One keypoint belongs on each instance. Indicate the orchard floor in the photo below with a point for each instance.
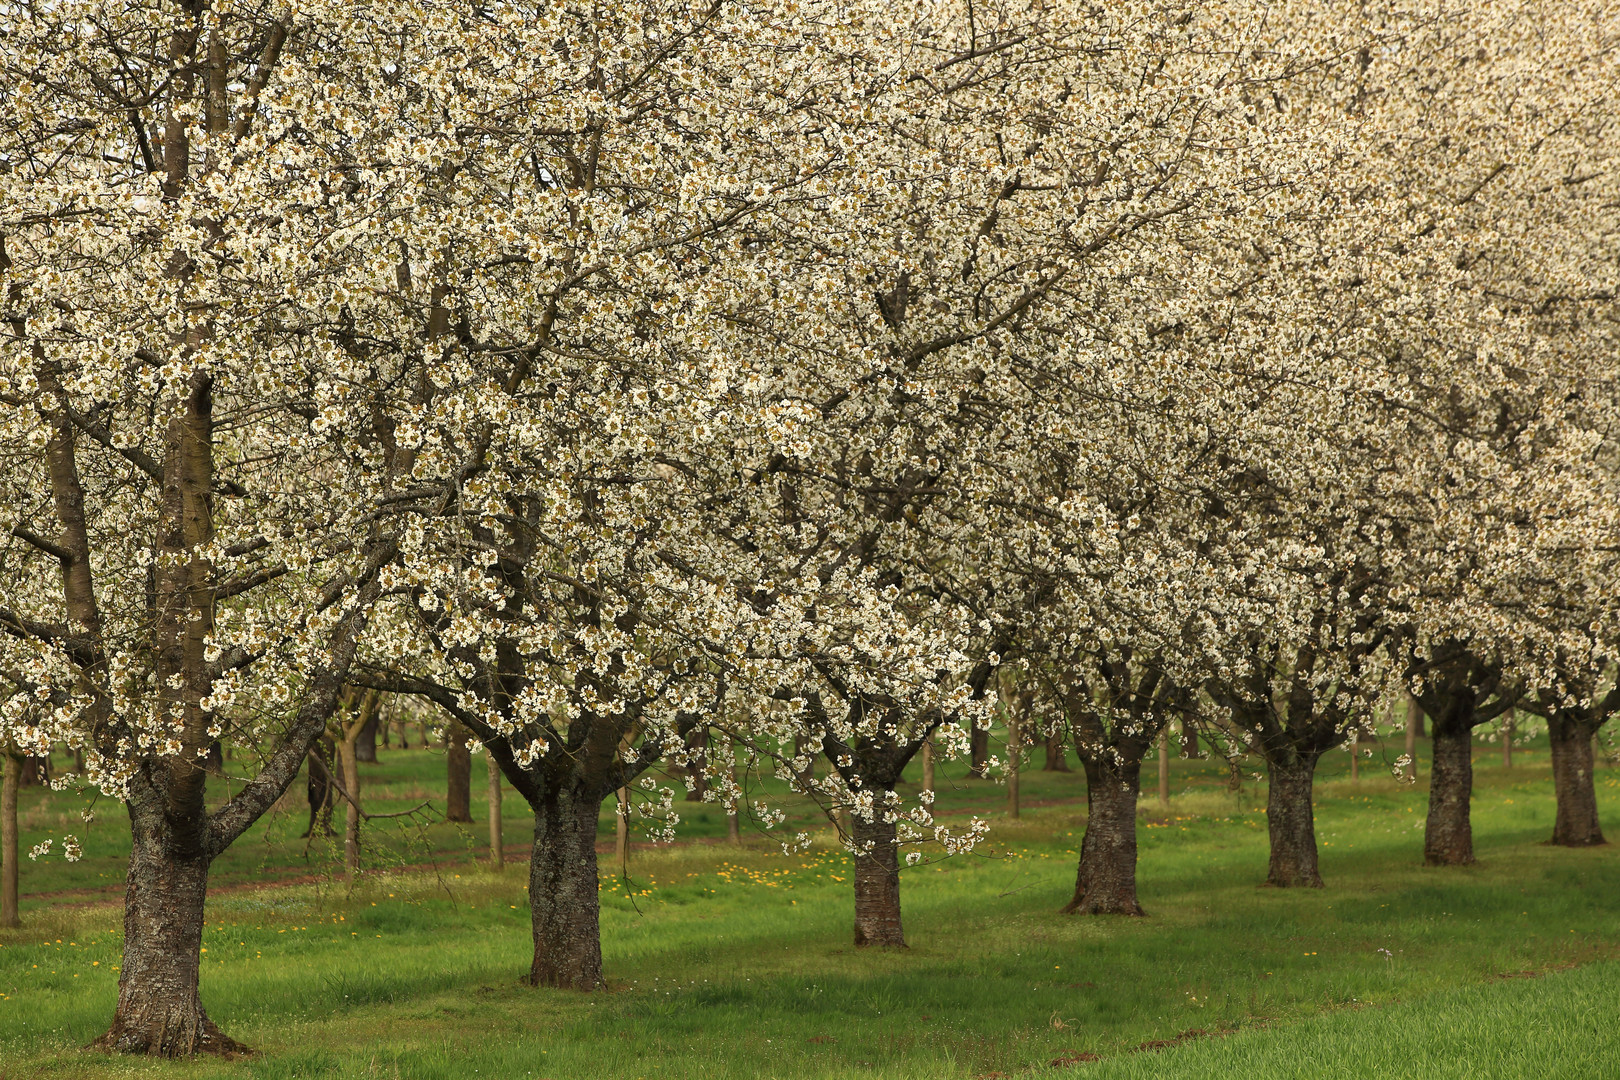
(736, 962)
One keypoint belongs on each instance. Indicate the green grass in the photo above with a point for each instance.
(736, 962)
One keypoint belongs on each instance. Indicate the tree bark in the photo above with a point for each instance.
(1577, 821)
(563, 893)
(9, 916)
(1106, 881)
(159, 1007)
(1292, 824)
(877, 883)
(1448, 838)
(458, 779)
(928, 765)
(1189, 740)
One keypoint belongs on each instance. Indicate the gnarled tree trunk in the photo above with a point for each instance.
(563, 894)
(1577, 822)
(1448, 837)
(1292, 824)
(877, 883)
(1106, 881)
(159, 1005)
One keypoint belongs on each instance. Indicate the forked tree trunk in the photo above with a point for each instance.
(877, 883)
(1292, 824)
(1448, 836)
(1577, 822)
(1106, 881)
(159, 1006)
(563, 894)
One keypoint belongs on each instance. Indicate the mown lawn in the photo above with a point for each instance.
(728, 962)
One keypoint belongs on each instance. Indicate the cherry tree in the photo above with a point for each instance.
(228, 235)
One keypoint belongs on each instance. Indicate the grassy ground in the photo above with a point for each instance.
(727, 962)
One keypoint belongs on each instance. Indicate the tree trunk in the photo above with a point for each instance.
(458, 783)
(621, 834)
(978, 751)
(697, 775)
(351, 808)
(497, 856)
(806, 747)
(1164, 768)
(1448, 838)
(563, 894)
(12, 779)
(319, 788)
(365, 744)
(1507, 740)
(1577, 822)
(1015, 754)
(1057, 759)
(928, 765)
(159, 1007)
(1292, 824)
(35, 771)
(1355, 755)
(1106, 882)
(877, 883)
(1414, 720)
(1189, 740)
